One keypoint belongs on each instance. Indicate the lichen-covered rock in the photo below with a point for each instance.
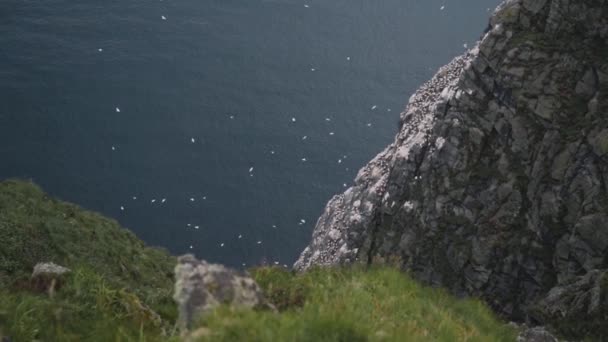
(47, 277)
(495, 185)
(200, 287)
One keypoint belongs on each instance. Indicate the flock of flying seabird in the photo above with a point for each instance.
(251, 169)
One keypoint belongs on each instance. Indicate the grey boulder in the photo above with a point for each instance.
(201, 287)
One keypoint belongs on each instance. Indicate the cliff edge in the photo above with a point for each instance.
(69, 274)
(495, 185)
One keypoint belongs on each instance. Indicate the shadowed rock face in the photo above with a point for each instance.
(495, 184)
(200, 287)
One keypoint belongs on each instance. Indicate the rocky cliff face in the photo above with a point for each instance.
(496, 184)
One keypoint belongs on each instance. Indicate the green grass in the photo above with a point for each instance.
(355, 305)
(120, 290)
(321, 305)
(104, 256)
(36, 228)
(86, 308)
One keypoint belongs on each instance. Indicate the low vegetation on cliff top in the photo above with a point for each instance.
(115, 278)
(120, 290)
(355, 304)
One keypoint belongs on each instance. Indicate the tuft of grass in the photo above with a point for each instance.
(354, 304)
(86, 308)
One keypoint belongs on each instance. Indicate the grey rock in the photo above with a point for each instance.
(582, 299)
(48, 277)
(49, 269)
(495, 182)
(536, 334)
(546, 107)
(599, 142)
(200, 287)
(592, 229)
(506, 13)
(587, 86)
(534, 6)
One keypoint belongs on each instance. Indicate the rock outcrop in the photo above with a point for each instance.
(49, 269)
(577, 307)
(48, 277)
(200, 287)
(496, 183)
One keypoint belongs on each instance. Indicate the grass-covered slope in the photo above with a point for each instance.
(85, 308)
(120, 290)
(35, 228)
(355, 305)
(114, 272)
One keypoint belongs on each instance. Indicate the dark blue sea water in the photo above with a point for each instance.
(230, 74)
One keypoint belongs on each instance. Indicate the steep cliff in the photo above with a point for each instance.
(495, 184)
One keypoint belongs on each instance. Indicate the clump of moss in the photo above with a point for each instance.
(355, 304)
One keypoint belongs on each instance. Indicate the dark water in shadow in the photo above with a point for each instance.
(231, 74)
